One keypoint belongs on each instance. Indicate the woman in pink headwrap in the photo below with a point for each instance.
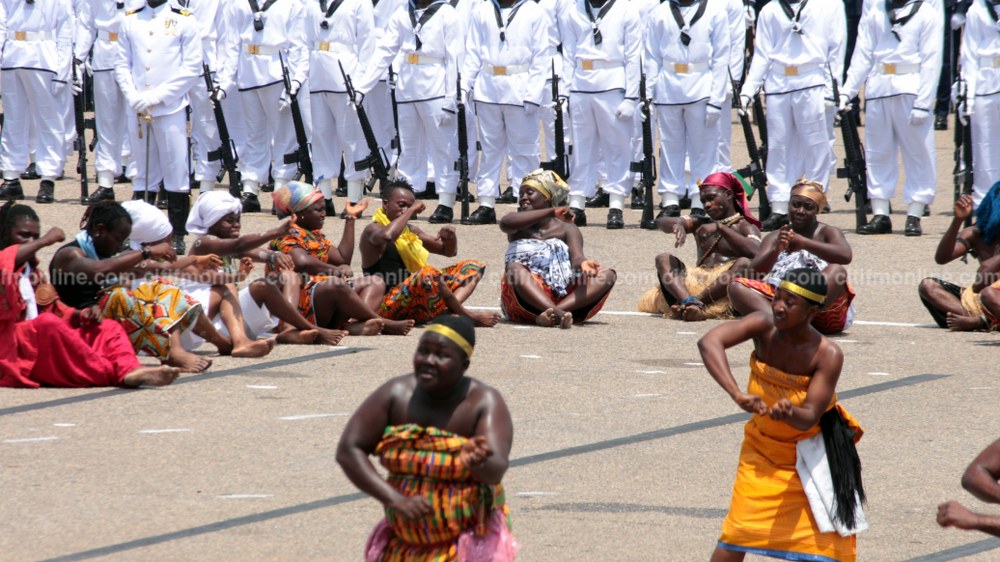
(728, 238)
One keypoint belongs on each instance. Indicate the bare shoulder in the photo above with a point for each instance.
(483, 394)
(829, 233)
(829, 352)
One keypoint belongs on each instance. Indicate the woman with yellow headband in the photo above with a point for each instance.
(798, 489)
(803, 242)
(445, 440)
(547, 279)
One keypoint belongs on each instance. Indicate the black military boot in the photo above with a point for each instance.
(11, 190)
(178, 207)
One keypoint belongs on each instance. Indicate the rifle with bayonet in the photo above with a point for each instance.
(754, 171)
(560, 160)
(376, 160)
(302, 155)
(462, 165)
(764, 205)
(646, 168)
(394, 144)
(227, 148)
(79, 107)
(963, 171)
(855, 169)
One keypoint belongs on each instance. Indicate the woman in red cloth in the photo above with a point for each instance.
(49, 336)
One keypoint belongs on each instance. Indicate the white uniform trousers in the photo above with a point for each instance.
(599, 137)
(725, 131)
(831, 119)
(548, 115)
(111, 112)
(887, 133)
(378, 104)
(506, 130)
(233, 106)
(340, 134)
(166, 140)
(68, 110)
(28, 101)
(305, 106)
(270, 135)
(683, 135)
(985, 145)
(204, 133)
(800, 147)
(425, 139)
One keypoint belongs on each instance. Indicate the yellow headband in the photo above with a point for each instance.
(802, 292)
(813, 190)
(537, 186)
(454, 336)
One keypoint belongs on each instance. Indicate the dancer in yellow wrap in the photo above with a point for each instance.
(397, 252)
(444, 439)
(798, 488)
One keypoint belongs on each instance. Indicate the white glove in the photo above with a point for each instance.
(218, 94)
(957, 21)
(750, 16)
(712, 115)
(295, 88)
(625, 110)
(530, 108)
(284, 102)
(919, 116)
(745, 103)
(845, 102)
(966, 108)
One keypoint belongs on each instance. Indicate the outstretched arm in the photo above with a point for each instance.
(26, 252)
(227, 247)
(713, 346)
(496, 427)
(980, 479)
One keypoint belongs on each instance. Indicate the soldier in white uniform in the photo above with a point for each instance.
(736, 13)
(981, 71)
(428, 36)
(687, 61)
(97, 32)
(37, 57)
(601, 48)
(505, 66)
(159, 58)
(796, 42)
(378, 102)
(339, 32)
(898, 59)
(547, 112)
(258, 35)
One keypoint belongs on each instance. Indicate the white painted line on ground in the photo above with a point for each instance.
(31, 439)
(981, 388)
(64, 424)
(652, 372)
(531, 357)
(687, 333)
(879, 374)
(844, 341)
(536, 494)
(313, 416)
(172, 430)
(245, 496)
(894, 324)
(261, 387)
(653, 395)
(522, 327)
(695, 364)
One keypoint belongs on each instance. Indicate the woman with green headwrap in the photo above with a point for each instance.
(547, 279)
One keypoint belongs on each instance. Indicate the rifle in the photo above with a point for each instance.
(394, 144)
(301, 155)
(227, 149)
(764, 208)
(560, 162)
(963, 172)
(462, 165)
(754, 171)
(79, 107)
(376, 160)
(647, 167)
(855, 169)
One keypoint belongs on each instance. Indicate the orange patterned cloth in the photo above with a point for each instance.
(150, 313)
(418, 297)
(316, 244)
(522, 313)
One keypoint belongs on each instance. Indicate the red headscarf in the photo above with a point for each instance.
(727, 181)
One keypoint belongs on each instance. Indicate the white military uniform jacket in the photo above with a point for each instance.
(37, 36)
(891, 66)
(699, 71)
(98, 26)
(981, 50)
(510, 70)
(252, 57)
(349, 39)
(613, 64)
(159, 51)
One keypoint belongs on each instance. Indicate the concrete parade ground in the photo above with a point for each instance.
(624, 447)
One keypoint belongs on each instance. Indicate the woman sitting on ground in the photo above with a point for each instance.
(547, 280)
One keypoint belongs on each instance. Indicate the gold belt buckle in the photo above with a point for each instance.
(413, 58)
(253, 49)
(791, 71)
(681, 68)
(499, 71)
(324, 45)
(113, 36)
(588, 64)
(20, 36)
(996, 62)
(888, 69)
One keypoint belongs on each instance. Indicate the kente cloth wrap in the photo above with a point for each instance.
(832, 319)
(150, 313)
(418, 297)
(769, 513)
(695, 281)
(547, 258)
(408, 244)
(425, 462)
(317, 245)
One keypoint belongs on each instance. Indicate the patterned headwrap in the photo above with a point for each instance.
(296, 197)
(549, 184)
(811, 189)
(729, 182)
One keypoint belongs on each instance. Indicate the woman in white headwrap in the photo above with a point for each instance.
(215, 221)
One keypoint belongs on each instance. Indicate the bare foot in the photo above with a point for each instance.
(694, 313)
(547, 318)
(676, 312)
(565, 320)
(255, 348)
(485, 319)
(398, 327)
(298, 337)
(370, 327)
(225, 346)
(186, 361)
(958, 323)
(330, 337)
(160, 375)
